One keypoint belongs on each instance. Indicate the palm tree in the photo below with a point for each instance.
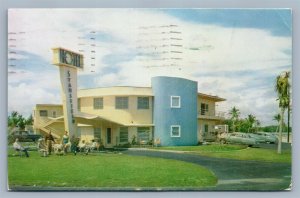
(251, 120)
(13, 120)
(277, 118)
(257, 124)
(235, 113)
(282, 89)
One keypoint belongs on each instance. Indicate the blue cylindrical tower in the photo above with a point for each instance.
(175, 111)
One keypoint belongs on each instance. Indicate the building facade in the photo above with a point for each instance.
(169, 113)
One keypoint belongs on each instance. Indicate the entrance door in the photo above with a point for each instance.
(108, 135)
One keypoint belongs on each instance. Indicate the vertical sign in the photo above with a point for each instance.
(68, 63)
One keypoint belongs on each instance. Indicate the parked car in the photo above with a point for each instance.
(25, 136)
(239, 138)
(269, 137)
(259, 138)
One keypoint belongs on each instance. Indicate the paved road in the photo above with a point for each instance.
(233, 174)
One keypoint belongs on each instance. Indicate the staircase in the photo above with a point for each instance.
(44, 125)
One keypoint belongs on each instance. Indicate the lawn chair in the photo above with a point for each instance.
(18, 152)
(19, 148)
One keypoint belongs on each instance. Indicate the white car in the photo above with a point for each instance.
(269, 137)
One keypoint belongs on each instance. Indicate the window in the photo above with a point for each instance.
(123, 134)
(143, 134)
(98, 103)
(54, 114)
(121, 102)
(44, 113)
(175, 101)
(143, 103)
(78, 104)
(204, 108)
(97, 133)
(175, 131)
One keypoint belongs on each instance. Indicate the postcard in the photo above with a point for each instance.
(149, 99)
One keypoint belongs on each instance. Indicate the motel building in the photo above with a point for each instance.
(169, 113)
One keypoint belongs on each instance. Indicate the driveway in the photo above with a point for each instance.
(233, 174)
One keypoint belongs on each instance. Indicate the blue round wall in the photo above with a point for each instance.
(183, 117)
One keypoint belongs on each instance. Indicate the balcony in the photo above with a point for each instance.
(217, 115)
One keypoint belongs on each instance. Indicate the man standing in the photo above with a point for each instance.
(18, 147)
(48, 140)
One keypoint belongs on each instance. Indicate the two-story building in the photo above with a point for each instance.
(170, 112)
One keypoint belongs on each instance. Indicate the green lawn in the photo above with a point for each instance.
(105, 170)
(240, 152)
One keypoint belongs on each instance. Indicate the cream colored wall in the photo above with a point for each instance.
(86, 133)
(211, 105)
(132, 115)
(211, 127)
(50, 109)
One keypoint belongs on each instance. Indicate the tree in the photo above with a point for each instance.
(250, 120)
(13, 119)
(257, 124)
(282, 88)
(29, 120)
(21, 122)
(17, 120)
(235, 113)
(277, 118)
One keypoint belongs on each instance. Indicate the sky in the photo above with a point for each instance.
(232, 53)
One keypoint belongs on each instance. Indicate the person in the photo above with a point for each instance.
(42, 147)
(18, 147)
(74, 144)
(48, 141)
(65, 142)
(95, 145)
(83, 147)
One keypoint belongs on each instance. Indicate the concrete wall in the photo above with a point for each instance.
(132, 115)
(165, 116)
(87, 134)
(211, 106)
(50, 109)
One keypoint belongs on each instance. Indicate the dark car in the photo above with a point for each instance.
(26, 136)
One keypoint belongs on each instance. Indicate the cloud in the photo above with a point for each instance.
(24, 97)
(226, 61)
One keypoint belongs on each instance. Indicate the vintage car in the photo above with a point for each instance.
(25, 136)
(269, 137)
(239, 138)
(259, 138)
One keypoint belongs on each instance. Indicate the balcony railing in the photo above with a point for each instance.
(214, 115)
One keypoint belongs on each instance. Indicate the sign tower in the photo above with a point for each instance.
(68, 63)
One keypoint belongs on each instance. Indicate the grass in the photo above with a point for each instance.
(239, 152)
(105, 170)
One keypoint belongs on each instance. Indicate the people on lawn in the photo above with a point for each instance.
(18, 147)
(74, 144)
(84, 147)
(42, 147)
(48, 141)
(66, 142)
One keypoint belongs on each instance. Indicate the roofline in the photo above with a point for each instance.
(48, 105)
(217, 98)
(113, 87)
